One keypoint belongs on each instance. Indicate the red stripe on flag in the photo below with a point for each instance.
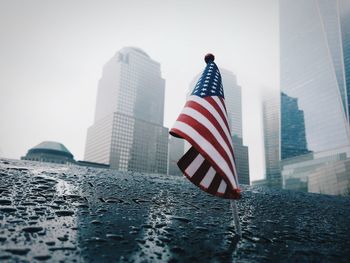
(194, 105)
(228, 193)
(223, 103)
(218, 109)
(207, 157)
(200, 173)
(206, 133)
(187, 159)
(214, 186)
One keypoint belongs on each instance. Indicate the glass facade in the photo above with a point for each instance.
(131, 83)
(98, 141)
(128, 131)
(242, 160)
(309, 71)
(314, 102)
(271, 127)
(323, 172)
(293, 140)
(233, 101)
(320, 180)
(138, 145)
(329, 18)
(176, 151)
(344, 8)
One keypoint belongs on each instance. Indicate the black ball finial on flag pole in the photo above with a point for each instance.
(209, 57)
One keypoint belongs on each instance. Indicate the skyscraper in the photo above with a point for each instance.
(128, 132)
(271, 127)
(293, 140)
(344, 9)
(310, 46)
(233, 102)
(314, 102)
(242, 160)
(176, 151)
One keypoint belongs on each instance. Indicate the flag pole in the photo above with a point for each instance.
(236, 217)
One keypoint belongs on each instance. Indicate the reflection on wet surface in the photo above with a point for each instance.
(56, 212)
(34, 228)
(156, 232)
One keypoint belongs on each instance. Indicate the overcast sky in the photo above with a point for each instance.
(52, 54)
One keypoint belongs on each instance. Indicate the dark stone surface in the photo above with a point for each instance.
(54, 212)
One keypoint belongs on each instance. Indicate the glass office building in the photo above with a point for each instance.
(320, 181)
(313, 75)
(176, 151)
(271, 128)
(309, 70)
(233, 102)
(242, 160)
(322, 172)
(128, 132)
(344, 9)
(293, 140)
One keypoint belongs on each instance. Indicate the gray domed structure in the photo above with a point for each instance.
(48, 151)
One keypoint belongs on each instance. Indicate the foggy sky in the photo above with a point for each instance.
(52, 54)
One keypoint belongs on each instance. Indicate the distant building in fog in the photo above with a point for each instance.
(344, 9)
(293, 138)
(233, 102)
(271, 128)
(319, 180)
(312, 70)
(313, 108)
(55, 152)
(176, 151)
(48, 151)
(325, 172)
(128, 132)
(242, 159)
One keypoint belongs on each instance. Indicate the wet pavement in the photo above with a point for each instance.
(59, 213)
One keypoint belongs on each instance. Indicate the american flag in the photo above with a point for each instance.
(210, 162)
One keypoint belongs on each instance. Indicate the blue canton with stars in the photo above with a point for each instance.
(209, 84)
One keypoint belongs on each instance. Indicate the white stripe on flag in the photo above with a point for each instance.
(222, 187)
(208, 148)
(208, 178)
(213, 111)
(203, 120)
(193, 167)
(219, 103)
